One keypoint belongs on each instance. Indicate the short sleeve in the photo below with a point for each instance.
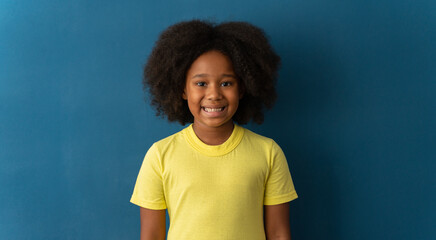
(279, 187)
(148, 191)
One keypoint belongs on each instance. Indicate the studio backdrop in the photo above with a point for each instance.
(355, 115)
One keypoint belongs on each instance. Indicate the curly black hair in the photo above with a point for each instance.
(254, 61)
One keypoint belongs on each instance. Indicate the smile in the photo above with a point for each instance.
(207, 109)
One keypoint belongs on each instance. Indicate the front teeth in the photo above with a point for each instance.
(213, 109)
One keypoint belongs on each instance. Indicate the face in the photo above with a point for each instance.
(212, 91)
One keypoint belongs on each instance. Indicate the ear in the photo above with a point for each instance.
(184, 94)
(241, 91)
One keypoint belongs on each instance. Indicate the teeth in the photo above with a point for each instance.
(213, 109)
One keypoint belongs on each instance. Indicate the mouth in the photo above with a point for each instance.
(210, 109)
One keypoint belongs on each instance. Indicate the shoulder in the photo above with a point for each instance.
(169, 142)
(258, 139)
(262, 146)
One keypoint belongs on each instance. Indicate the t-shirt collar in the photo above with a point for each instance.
(214, 150)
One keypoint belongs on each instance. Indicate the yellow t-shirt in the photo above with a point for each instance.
(214, 192)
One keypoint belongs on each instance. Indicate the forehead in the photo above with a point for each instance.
(211, 63)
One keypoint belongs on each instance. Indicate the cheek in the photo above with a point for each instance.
(192, 108)
(193, 101)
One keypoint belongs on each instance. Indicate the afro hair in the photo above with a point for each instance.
(253, 59)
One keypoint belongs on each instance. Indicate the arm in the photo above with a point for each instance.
(152, 224)
(277, 222)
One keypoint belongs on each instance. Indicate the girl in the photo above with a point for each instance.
(217, 179)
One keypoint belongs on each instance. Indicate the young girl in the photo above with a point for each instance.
(217, 179)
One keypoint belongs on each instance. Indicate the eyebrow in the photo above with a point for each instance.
(206, 75)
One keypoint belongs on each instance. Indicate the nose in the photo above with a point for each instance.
(213, 92)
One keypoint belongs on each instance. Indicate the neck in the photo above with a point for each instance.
(213, 135)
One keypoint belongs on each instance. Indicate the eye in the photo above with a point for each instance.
(226, 84)
(200, 84)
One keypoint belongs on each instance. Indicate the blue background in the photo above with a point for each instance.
(355, 116)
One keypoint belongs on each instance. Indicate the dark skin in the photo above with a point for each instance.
(276, 221)
(212, 84)
(152, 224)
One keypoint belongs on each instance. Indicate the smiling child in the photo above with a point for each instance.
(217, 179)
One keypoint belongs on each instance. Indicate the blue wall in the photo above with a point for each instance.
(356, 113)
